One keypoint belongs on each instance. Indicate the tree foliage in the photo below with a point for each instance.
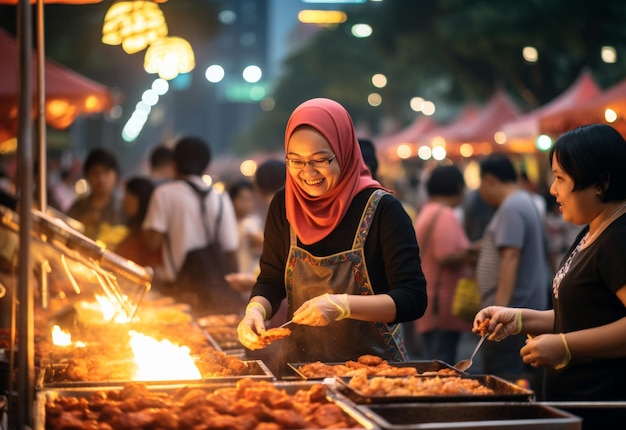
(451, 52)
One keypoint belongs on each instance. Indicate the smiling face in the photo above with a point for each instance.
(308, 144)
(577, 207)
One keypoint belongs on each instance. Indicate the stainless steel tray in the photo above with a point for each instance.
(167, 399)
(225, 339)
(451, 416)
(504, 391)
(257, 370)
(421, 366)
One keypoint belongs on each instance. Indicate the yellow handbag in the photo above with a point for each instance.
(466, 299)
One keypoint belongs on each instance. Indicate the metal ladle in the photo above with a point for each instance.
(463, 365)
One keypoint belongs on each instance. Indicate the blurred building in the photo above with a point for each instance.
(219, 110)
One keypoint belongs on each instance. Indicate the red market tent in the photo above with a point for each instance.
(592, 111)
(451, 130)
(527, 127)
(476, 128)
(68, 94)
(498, 110)
(387, 145)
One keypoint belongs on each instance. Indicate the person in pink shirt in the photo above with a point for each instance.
(444, 252)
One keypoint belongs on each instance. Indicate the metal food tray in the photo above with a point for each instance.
(258, 372)
(227, 346)
(219, 320)
(291, 388)
(451, 416)
(420, 366)
(504, 391)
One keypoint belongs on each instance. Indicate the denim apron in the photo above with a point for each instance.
(307, 276)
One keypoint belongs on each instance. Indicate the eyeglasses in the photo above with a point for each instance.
(321, 163)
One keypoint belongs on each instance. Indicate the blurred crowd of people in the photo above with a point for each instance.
(157, 228)
(493, 233)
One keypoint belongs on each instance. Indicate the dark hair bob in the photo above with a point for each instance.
(593, 155)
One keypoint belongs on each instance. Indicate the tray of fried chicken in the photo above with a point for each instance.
(431, 388)
(245, 404)
(371, 365)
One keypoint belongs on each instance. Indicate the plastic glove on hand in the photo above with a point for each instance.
(503, 323)
(251, 325)
(321, 310)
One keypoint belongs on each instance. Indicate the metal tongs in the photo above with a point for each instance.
(285, 324)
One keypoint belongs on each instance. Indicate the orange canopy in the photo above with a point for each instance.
(451, 130)
(591, 111)
(68, 94)
(528, 125)
(387, 145)
(476, 128)
(498, 110)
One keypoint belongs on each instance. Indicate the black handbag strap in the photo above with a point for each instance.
(202, 195)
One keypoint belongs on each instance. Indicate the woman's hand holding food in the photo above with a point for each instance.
(503, 322)
(322, 310)
(252, 324)
(546, 350)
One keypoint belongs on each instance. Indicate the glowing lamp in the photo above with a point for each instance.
(169, 57)
(134, 25)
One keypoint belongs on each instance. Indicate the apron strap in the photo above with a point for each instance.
(366, 218)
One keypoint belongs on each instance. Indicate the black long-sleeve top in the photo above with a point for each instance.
(391, 253)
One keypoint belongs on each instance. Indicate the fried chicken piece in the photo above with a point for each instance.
(397, 371)
(482, 327)
(268, 426)
(140, 403)
(76, 370)
(189, 418)
(132, 390)
(109, 411)
(318, 369)
(66, 420)
(329, 415)
(273, 334)
(370, 360)
(288, 419)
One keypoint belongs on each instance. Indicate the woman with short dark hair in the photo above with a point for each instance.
(581, 343)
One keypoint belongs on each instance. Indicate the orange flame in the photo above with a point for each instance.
(63, 338)
(161, 361)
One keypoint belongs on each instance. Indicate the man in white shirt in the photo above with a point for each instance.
(174, 221)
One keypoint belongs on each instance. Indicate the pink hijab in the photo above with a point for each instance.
(313, 218)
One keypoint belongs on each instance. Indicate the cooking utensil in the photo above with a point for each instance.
(463, 365)
(285, 324)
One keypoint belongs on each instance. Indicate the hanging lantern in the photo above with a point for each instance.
(133, 24)
(168, 57)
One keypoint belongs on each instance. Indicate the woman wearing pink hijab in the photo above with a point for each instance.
(338, 246)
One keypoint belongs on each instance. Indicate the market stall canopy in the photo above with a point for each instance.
(527, 126)
(68, 94)
(591, 111)
(387, 145)
(499, 109)
(451, 130)
(473, 133)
